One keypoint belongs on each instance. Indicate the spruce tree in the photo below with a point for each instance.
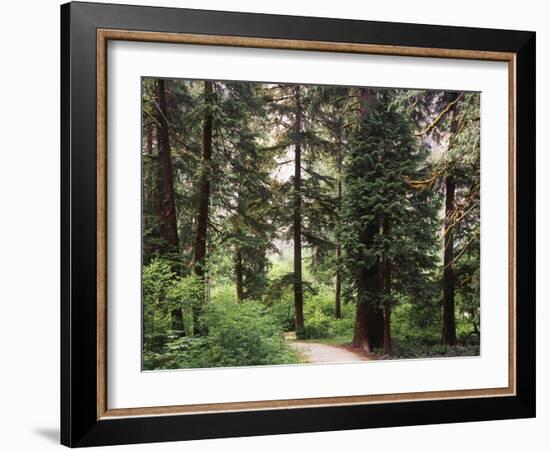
(388, 227)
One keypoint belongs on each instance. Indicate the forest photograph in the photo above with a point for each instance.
(303, 224)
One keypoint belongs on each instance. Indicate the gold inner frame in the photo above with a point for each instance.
(104, 35)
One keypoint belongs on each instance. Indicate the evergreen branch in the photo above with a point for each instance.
(440, 116)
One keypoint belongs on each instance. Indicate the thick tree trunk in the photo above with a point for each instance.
(297, 221)
(199, 252)
(369, 319)
(362, 324)
(239, 275)
(449, 325)
(167, 207)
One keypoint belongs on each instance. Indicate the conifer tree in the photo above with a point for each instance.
(389, 228)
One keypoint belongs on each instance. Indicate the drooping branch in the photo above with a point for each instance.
(440, 116)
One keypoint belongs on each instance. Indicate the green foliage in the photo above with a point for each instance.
(370, 206)
(238, 335)
(406, 350)
(157, 278)
(163, 293)
(321, 323)
(387, 227)
(282, 311)
(417, 322)
(187, 294)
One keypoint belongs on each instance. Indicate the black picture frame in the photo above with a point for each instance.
(80, 425)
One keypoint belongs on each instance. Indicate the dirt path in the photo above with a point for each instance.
(322, 353)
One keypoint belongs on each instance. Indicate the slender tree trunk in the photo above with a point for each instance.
(149, 138)
(449, 325)
(297, 222)
(386, 271)
(203, 200)
(239, 275)
(315, 258)
(199, 252)
(149, 190)
(147, 182)
(167, 207)
(338, 287)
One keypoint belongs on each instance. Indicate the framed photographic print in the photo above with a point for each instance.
(276, 224)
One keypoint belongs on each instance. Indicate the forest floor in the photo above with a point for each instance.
(322, 353)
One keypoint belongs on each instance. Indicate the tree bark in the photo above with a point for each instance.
(165, 182)
(147, 175)
(149, 137)
(449, 325)
(338, 287)
(167, 208)
(362, 324)
(239, 275)
(297, 221)
(199, 252)
(369, 318)
(386, 281)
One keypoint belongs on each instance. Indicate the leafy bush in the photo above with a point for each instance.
(282, 312)
(187, 294)
(413, 351)
(223, 293)
(238, 335)
(157, 278)
(245, 335)
(418, 323)
(320, 321)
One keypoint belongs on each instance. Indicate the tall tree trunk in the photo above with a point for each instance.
(449, 325)
(199, 252)
(361, 330)
(147, 182)
(203, 201)
(297, 222)
(369, 318)
(386, 281)
(338, 287)
(167, 207)
(239, 275)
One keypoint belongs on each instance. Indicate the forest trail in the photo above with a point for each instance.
(323, 353)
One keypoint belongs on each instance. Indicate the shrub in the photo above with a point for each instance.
(157, 277)
(320, 322)
(237, 335)
(416, 324)
(187, 294)
(282, 312)
(403, 350)
(245, 334)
